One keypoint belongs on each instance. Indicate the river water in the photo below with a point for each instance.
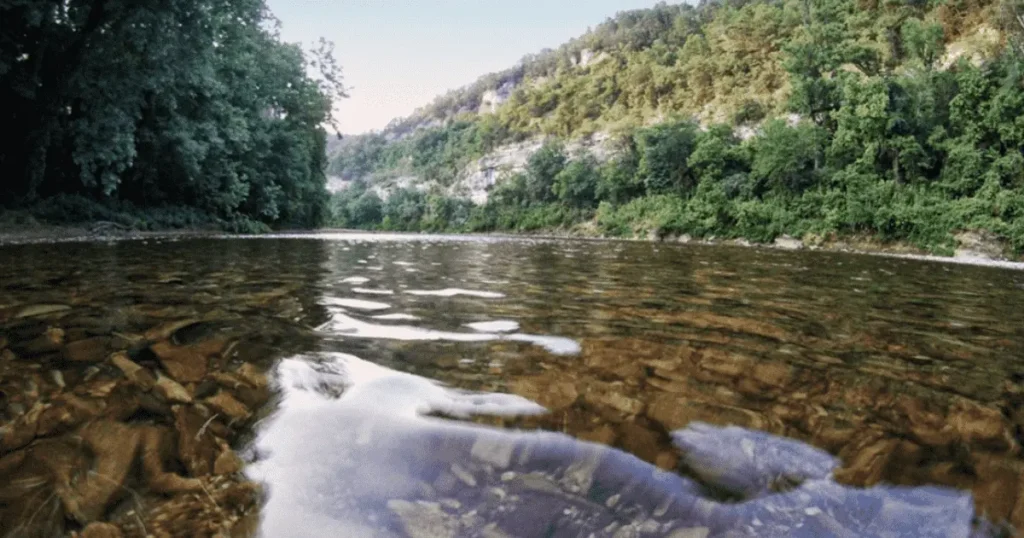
(377, 385)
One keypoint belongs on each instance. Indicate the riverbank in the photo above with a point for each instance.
(974, 248)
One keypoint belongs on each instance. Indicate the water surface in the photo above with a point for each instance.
(412, 373)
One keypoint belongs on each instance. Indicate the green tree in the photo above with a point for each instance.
(664, 151)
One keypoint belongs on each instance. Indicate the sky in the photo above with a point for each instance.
(397, 55)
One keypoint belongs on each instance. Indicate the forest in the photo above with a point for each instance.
(901, 120)
(152, 115)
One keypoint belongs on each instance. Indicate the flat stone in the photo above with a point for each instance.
(164, 331)
(185, 364)
(40, 310)
(97, 529)
(226, 404)
(197, 446)
(788, 243)
(976, 423)
(131, 370)
(89, 350)
(227, 462)
(50, 341)
(171, 390)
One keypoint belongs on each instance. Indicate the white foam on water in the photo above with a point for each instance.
(452, 292)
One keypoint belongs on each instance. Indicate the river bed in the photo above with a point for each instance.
(389, 385)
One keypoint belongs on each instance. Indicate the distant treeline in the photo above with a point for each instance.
(887, 133)
(172, 113)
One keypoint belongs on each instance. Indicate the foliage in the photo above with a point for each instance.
(885, 136)
(162, 106)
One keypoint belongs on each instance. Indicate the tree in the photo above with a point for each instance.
(787, 159)
(541, 169)
(172, 103)
(576, 184)
(664, 150)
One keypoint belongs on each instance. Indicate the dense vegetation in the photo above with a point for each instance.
(887, 133)
(172, 113)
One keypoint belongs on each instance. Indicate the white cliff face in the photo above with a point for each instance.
(492, 99)
(978, 47)
(482, 174)
(588, 57)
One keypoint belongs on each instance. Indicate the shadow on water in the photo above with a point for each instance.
(414, 370)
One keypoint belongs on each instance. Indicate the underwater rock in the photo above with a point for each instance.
(186, 364)
(170, 390)
(93, 349)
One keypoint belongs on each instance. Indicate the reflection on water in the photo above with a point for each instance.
(910, 373)
(368, 463)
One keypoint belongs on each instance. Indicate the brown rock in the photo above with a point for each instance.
(772, 373)
(1017, 516)
(67, 411)
(644, 443)
(197, 446)
(975, 423)
(603, 434)
(610, 396)
(40, 310)
(250, 395)
(227, 405)
(164, 331)
(667, 460)
(131, 370)
(100, 530)
(185, 364)
(867, 462)
(673, 413)
(227, 462)
(998, 487)
(252, 375)
(89, 350)
(170, 390)
(48, 342)
(23, 430)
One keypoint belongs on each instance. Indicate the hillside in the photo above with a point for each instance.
(732, 118)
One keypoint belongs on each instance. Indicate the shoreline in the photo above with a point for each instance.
(862, 245)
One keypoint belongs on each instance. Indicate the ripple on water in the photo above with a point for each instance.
(351, 327)
(499, 326)
(355, 280)
(370, 291)
(452, 292)
(396, 317)
(357, 304)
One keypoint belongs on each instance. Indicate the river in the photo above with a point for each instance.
(390, 385)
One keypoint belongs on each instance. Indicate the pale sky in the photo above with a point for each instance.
(398, 55)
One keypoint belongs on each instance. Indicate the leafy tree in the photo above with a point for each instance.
(172, 104)
(664, 150)
(541, 169)
(576, 184)
(787, 159)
